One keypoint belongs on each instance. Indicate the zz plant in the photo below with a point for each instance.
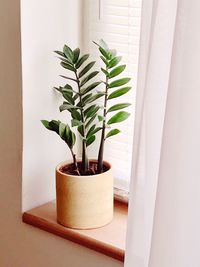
(81, 101)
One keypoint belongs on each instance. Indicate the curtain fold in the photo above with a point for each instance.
(165, 187)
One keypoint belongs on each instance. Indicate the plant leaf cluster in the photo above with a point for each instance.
(80, 100)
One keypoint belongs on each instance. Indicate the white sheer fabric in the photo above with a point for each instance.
(164, 219)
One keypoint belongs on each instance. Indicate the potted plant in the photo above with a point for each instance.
(84, 187)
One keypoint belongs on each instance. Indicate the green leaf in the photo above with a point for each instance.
(82, 60)
(119, 117)
(105, 72)
(104, 53)
(67, 66)
(88, 110)
(90, 140)
(75, 114)
(68, 78)
(67, 107)
(104, 60)
(114, 62)
(75, 122)
(93, 130)
(84, 100)
(62, 130)
(54, 126)
(116, 71)
(86, 69)
(67, 88)
(90, 121)
(92, 111)
(68, 53)
(89, 77)
(118, 106)
(80, 129)
(100, 118)
(76, 54)
(73, 137)
(69, 137)
(90, 130)
(94, 97)
(90, 87)
(112, 132)
(68, 97)
(104, 45)
(119, 92)
(113, 53)
(119, 82)
(59, 53)
(46, 124)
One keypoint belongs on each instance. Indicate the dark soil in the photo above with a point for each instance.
(70, 169)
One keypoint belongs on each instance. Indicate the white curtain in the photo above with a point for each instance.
(164, 208)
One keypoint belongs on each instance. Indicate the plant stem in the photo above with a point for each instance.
(85, 162)
(75, 162)
(102, 142)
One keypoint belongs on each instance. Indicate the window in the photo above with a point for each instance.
(118, 23)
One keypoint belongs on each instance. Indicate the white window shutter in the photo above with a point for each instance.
(117, 22)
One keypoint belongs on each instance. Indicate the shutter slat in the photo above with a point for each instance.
(118, 23)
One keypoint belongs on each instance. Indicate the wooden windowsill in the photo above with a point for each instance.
(109, 240)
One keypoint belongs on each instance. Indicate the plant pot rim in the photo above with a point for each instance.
(63, 163)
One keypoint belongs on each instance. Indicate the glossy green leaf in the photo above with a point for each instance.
(90, 140)
(62, 130)
(59, 53)
(90, 121)
(118, 106)
(112, 132)
(113, 53)
(67, 107)
(119, 82)
(119, 92)
(89, 77)
(84, 99)
(80, 130)
(94, 97)
(104, 45)
(92, 111)
(116, 71)
(89, 109)
(75, 122)
(90, 131)
(68, 78)
(54, 126)
(86, 69)
(104, 53)
(76, 54)
(90, 88)
(114, 62)
(119, 117)
(68, 97)
(67, 66)
(100, 118)
(104, 60)
(46, 124)
(75, 114)
(105, 72)
(68, 52)
(81, 61)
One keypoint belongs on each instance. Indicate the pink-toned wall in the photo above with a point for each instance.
(22, 245)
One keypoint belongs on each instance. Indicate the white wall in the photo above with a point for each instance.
(46, 26)
(22, 245)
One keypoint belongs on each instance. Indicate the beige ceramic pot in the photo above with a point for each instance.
(84, 202)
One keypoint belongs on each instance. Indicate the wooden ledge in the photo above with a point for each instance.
(109, 240)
